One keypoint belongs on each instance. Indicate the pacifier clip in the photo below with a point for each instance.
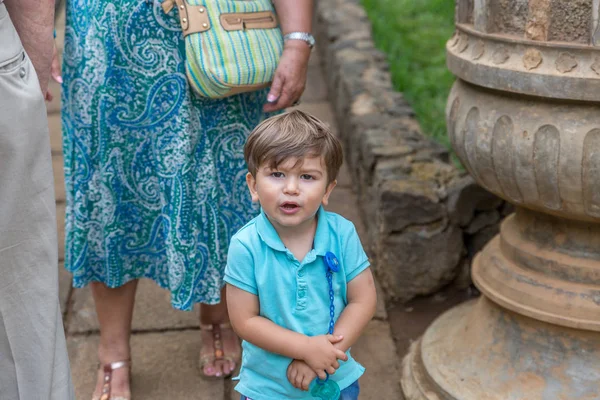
(328, 389)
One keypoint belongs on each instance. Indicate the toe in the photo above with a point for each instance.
(219, 367)
(230, 366)
(209, 370)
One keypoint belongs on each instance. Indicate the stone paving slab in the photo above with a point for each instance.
(55, 127)
(152, 311)
(380, 312)
(315, 60)
(59, 178)
(64, 287)
(343, 178)
(60, 227)
(409, 321)
(316, 88)
(53, 107)
(376, 351)
(229, 386)
(322, 110)
(164, 367)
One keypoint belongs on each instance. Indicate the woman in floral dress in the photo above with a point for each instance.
(155, 176)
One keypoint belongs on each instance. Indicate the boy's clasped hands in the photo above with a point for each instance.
(320, 358)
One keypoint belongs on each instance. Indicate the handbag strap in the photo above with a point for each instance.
(193, 19)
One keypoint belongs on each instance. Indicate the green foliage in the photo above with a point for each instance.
(413, 34)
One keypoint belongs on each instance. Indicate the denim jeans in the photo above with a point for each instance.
(350, 393)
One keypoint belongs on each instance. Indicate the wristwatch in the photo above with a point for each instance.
(304, 36)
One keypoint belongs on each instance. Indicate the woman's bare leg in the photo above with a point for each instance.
(217, 314)
(114, 308)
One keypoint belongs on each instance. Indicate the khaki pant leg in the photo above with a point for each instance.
(33, 359)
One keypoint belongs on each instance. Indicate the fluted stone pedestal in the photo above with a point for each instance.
(524, 118)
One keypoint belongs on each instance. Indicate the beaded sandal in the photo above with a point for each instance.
(107, 386)
(218, 352)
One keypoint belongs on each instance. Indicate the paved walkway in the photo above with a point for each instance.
(166, 342)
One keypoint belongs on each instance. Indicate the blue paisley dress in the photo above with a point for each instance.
(155, 176)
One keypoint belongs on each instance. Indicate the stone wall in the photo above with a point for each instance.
(425, 218)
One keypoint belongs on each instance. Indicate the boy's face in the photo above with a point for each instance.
(291, 194)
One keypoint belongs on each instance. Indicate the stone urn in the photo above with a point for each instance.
(524, 119)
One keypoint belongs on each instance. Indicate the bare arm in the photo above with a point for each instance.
(317, 351)
(244, 315)
(294, 16)
(362, 302)
(34, 22)
(290, 77)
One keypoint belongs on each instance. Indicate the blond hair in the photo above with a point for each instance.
(295, 134)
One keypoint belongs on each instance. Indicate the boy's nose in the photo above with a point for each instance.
(291, 186)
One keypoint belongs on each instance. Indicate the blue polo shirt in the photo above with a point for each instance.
(292, 294)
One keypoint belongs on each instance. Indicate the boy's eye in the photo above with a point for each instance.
(277, 174)
(306, 177)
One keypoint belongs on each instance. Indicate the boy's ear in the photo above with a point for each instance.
(251, 182)
(330, 187)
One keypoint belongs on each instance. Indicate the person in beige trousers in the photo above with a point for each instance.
(33, 358)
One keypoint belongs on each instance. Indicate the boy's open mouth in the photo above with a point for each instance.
(289, 206)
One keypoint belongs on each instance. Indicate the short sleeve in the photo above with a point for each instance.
(239, 271)
(355, 258)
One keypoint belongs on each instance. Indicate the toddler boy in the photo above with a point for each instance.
(299, 286)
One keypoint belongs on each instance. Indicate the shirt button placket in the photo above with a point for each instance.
(302, 289)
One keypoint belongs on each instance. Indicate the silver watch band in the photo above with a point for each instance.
(304, 36)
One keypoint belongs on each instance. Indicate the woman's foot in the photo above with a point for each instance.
(114, 307)
(117, 375)
(220, 353)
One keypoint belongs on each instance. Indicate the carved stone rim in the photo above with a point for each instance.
(567, 46)
(547, 69)
(541, 155)
(533, 294)
(416, 380)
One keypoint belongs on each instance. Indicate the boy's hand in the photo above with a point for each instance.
(300, 374)
(322, 356)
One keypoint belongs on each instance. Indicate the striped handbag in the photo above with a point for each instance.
(231, 46)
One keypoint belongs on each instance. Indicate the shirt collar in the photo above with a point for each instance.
(321, 242)
(269, 235)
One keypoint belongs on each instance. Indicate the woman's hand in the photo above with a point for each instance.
(290, 76)
(54, 72)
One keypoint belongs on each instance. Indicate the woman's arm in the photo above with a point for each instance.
(34, 22)
(316, 351)
(294, 16)
(290, 76)
(362, 302)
